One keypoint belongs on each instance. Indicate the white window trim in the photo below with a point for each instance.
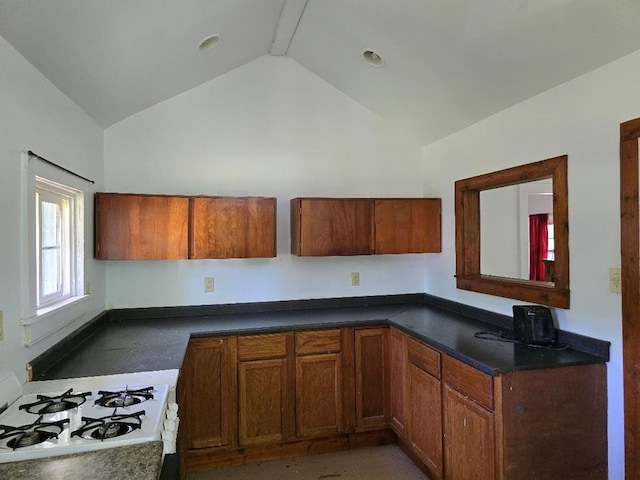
(41, 323)
(71, 282)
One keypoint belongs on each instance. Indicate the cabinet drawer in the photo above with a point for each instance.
(318, 341)
(259, 347)
(468, 381)
(423, 357)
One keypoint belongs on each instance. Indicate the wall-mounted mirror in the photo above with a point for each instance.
(512, 233)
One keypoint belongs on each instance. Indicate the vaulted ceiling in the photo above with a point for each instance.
(446, 64)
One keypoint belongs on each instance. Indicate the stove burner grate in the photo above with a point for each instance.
(111, 426)
(59, 403)
(124, 398)
(31, 434)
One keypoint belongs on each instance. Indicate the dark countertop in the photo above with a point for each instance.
(157, 339)
(141, 461)
(145, 344)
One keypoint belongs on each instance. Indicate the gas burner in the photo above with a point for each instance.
(32, 434)
(111, 426)
(46, 404)
(124, 398)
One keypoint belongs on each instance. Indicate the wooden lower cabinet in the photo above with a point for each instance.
(319, 395)
(552, 423)
(424, 405)
(254, 398)
(461, 423)
(398, 382)
(208, 383)
(469, 438)
(319, 402)
(260, 397)
(372, 378)
(425, 424)
(265, 395)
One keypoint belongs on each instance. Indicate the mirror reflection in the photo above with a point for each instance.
(517, 231)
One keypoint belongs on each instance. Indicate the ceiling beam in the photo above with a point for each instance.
(287, 25)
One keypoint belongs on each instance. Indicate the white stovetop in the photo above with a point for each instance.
(157, 377)
(163, 383)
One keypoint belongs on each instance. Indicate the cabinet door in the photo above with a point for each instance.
(233, 227)
(469, 438)
(398, 382)
(372, 378)
(266, 397)
(331, 226)
(425, 418)
(140, 227)
(319, 395)
(208, 377)
(263, 401)
(407, 225)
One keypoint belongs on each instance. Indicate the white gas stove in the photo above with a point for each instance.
(58, 417)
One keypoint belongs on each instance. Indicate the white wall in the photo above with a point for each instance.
(580, 119)
(34, 115)
(268, 128)
(500, 232)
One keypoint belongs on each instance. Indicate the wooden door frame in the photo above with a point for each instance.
(630, 269)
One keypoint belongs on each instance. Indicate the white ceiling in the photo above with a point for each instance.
(448, 63)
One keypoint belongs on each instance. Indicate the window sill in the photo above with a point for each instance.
(51, 319)
(58, 306)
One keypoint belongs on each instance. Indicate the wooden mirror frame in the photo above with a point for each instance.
(467, 211)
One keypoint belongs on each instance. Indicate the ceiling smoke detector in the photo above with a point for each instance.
(208, 42)
(372, 57)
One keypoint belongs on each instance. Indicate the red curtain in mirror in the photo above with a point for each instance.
(538, 238)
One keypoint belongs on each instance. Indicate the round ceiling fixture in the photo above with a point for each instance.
(372, 57)
(208, 42)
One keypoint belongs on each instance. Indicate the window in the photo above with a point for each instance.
(551, 244)
(59, 243)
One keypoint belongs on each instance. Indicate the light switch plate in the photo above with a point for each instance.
(615, 280)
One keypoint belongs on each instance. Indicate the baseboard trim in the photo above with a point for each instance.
(205, 458)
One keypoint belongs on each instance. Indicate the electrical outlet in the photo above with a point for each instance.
(1, 326)
(355, 279)
(615, 280)
(209, 286)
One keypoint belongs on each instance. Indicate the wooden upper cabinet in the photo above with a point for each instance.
(407, 225)
(364, 226)
(140, 227)
(164, 227)
(331, 226)
(233, 227)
